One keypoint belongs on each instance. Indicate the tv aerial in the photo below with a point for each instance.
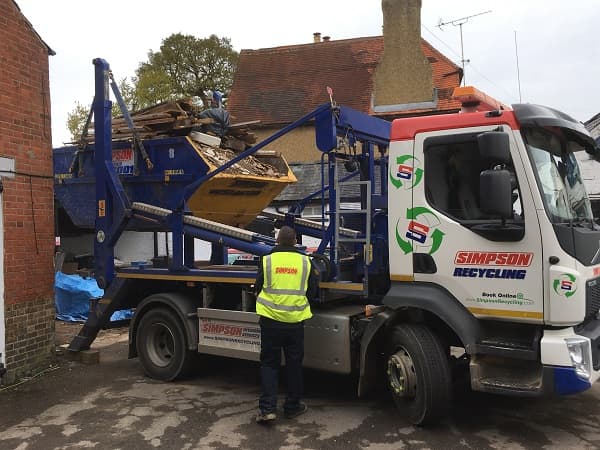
(459, 23)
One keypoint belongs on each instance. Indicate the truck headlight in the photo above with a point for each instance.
(579, 351)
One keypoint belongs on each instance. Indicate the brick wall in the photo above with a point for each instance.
(27, 197)
(404, 75)
(296, 146)
(30, 336)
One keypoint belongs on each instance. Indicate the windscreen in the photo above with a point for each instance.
(551, 151)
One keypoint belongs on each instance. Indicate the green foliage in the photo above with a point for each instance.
(128, 92)
(77, 117)
(76, 120)
(185, 66)
(153, 86)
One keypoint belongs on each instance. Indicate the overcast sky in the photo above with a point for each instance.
(558, 40)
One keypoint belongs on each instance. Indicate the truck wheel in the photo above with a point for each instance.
(161, 345)
(418, 374)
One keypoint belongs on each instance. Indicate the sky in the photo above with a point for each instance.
(557, 41)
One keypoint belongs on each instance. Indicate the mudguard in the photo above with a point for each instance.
(368, 353)
(438, 301)
(184, 306)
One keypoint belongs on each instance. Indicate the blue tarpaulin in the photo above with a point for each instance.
(72, 295)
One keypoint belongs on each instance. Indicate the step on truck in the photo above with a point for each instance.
(471, 248)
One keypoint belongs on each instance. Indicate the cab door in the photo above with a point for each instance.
(493, 268)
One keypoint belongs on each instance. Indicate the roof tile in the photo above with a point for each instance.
(278, 85)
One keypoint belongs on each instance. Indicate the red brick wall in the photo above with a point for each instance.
(27, 198)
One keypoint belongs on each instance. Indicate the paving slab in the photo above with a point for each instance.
(112, 405)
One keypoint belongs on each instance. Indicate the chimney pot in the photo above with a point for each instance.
(326, 38)
(317, 37)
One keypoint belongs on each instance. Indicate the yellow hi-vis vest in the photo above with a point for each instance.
(283, 296)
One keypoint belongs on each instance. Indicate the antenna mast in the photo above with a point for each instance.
(518, 72)
(460, 22)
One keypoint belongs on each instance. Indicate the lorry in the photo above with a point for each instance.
(472, 251)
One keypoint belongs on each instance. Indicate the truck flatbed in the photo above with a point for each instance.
(208, 274)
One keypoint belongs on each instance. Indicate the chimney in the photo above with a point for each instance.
(404, 74)
(326, 38)
(316, 37)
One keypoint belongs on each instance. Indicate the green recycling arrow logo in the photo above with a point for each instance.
(420, 231)
(406, 173)
(565, 285)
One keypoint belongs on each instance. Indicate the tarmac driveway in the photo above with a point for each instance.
(113, 406)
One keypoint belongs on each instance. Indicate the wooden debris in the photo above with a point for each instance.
(174, 118)
(179, 118)
(241, 131)
(233, 143)
(239, 125)
(250, 165)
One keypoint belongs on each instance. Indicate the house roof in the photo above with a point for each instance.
(50, 51)
(278, 85)
(589, 173)
(587, 164)
(593, 126)
(309, 181)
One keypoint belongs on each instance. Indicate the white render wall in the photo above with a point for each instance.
(590, 168)
(132, 246)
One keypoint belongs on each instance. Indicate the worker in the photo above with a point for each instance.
(286, 281)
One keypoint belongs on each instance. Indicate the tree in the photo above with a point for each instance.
(152, 85)
(184, 66)
(76, 120)
(78, 116)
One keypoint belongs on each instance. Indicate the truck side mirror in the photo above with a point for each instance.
(494, 147)
(495, 193)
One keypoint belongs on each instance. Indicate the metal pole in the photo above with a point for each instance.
(462, 54)
(104, 254)
(518, 72)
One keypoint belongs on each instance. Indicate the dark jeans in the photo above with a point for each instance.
(273, 340)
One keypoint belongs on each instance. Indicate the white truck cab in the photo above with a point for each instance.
(499, 227)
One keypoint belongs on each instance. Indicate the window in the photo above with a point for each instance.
(453, 165)
(314, 212)
(552, 153)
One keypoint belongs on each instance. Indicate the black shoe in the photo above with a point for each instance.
(302, 408)
(266, 417)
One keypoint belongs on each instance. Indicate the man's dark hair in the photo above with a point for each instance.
(286, 236)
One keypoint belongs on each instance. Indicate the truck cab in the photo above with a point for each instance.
(491, 231)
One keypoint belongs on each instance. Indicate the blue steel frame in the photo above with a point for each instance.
(357, 127)
(114, 208)
(112, 204)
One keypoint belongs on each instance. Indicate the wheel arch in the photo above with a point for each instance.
(437, 307)
(184, 306)
(415, 302)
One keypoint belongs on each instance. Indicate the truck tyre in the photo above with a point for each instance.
(418, 373)
(161, 345)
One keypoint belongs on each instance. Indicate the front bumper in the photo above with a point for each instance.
(560, 373)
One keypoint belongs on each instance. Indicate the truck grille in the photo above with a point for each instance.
(592, 297)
